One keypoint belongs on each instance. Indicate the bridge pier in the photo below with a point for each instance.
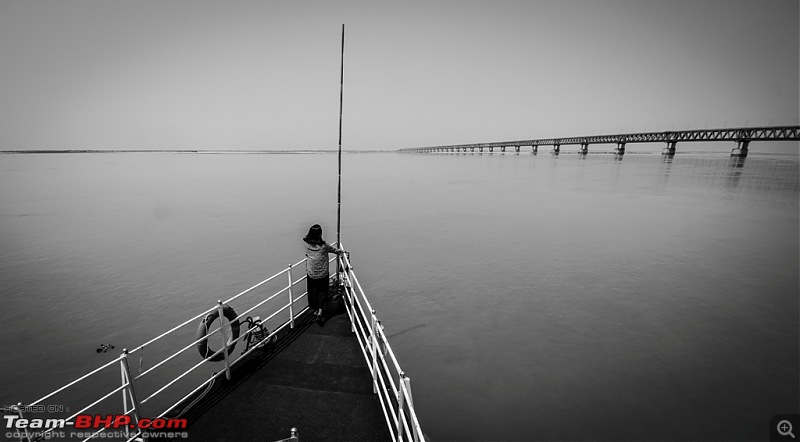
(584, 149)
(620, 149)
(556, 149)
(516, 148)
(741, 148)
(670, 149)
(535, 149)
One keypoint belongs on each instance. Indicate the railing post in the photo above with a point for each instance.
(400, 406)
(291, 299)
(407, 382)
(374, 346)
(122, 375)
(19, 412)
(382, 344)
(126, 370)
(351, 294)
(224, 341)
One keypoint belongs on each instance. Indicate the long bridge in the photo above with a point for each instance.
(740, 136)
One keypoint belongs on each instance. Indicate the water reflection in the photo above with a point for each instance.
(666, 168)
(737, 161)
(772, 177)
(734, 173)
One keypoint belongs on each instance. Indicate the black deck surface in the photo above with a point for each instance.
(313, 378)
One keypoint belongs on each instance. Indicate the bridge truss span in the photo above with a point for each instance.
(741, 136)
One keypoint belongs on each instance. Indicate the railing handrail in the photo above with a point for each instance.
(162, 335)
(123, 357)
(371, 349)
(397, 406)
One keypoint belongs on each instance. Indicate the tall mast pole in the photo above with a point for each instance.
(339, 192)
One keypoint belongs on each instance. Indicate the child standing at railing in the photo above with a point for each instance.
(317, 268)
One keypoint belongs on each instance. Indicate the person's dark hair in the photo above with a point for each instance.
(314, 235)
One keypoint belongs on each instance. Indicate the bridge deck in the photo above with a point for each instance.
(769, 133)
(314, 378)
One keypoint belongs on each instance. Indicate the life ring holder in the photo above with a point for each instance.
(202, 333)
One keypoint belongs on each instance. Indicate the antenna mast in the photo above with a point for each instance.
(339, 192)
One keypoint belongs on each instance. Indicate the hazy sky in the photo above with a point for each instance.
(265, 75)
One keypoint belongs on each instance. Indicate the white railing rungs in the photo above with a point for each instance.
(108, 395)
(391, 378)
(194, 367)
(239, 317)
(394, 397)
(172, 356)
(358, 284)
(201, 362)
(391, 418)
(205, 313)
(257, 285)
(36, 402)
(276, 313)
(245, 313)
(371, 349)
(214, 376)
(362, 344)
(414, 421)
(386, 414)
(184, 323)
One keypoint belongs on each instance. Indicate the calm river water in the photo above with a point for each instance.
(527, 297)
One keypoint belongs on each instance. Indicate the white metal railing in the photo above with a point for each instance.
(395, 396)
(131, 405)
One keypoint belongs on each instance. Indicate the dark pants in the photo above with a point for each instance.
(317, 292)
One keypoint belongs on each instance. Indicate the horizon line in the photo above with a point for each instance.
(23, 151)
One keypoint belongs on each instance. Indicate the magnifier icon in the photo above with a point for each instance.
(785, 428)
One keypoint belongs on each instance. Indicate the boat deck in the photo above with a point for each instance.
(313, 378)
